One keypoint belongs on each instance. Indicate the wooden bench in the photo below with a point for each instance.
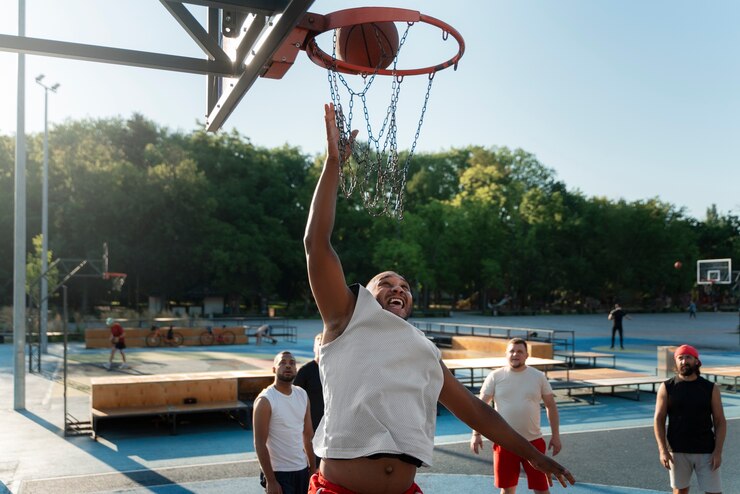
(592, 373)
(472, 372)
(170, 395)
(624, 382)
(136, 337)
(558, 338)
(484, 346)
(595, 378)
(730, 372)
(571, 357)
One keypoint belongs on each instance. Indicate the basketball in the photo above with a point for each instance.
(677, 264)
(372, 45)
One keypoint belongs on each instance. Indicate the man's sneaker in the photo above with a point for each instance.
(123, 366)
(107, 365)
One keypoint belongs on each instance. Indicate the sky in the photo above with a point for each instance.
(623, 99)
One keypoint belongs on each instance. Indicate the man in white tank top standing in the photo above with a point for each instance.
(517, 390)
(382, 378)
(283, 432)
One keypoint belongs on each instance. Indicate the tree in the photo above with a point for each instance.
(34, 272)
(191, 213)
(7, 160)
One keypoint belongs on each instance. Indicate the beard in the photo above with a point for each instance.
(286, 378)
(688, 369)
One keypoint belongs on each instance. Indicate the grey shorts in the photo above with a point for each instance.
(686, 463)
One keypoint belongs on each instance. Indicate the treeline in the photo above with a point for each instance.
(188, 215)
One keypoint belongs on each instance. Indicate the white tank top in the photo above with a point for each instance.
(285, 437)
(381, 379)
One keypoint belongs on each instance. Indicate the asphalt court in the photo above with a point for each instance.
(609, 446)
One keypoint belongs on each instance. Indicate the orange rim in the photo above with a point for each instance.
(362, 15)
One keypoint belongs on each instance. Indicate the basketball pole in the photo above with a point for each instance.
(44, 309)
(19, 230)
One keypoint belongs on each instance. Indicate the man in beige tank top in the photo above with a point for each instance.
(517, 391)
(380, 413)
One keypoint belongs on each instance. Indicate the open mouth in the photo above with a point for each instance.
(396, 302)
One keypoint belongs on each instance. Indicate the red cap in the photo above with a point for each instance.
(686, 350)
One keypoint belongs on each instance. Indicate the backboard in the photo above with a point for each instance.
(252, 33)
(239, 39)
(714, 271)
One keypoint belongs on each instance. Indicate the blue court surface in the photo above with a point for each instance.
(608, 446)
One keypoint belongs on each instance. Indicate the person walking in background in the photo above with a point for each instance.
(517, 391)
(696, 425)
(692, 310)
(117, 341)
(282, 432)
(616, 316)
(382, 377)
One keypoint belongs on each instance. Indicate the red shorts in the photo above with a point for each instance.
(506, 468)
(319, 485)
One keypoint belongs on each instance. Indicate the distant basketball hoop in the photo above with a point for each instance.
(377, 169)
(714, 271)
(117, 280)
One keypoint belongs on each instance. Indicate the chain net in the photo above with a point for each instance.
(375, 169)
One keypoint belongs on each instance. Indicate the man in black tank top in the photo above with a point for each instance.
(696, 425)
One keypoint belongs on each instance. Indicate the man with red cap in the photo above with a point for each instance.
(696, 425)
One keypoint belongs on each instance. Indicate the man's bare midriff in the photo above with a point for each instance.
(366, 476)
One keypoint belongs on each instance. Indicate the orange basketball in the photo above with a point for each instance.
(677, 264)
(373, 45)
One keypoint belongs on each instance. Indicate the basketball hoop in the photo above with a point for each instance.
(117, 280)
(366, 15)
(377, 169)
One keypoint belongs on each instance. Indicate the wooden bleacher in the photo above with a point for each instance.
(170, 395)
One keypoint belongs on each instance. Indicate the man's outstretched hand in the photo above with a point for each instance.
(551, 467)
(332, 135)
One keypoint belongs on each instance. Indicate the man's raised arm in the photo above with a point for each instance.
(334, 300)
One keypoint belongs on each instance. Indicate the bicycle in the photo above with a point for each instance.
(171, 338)
(208, 337)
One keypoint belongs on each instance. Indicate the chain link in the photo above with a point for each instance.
(374, 166)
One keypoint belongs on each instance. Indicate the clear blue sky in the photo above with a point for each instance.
(624, 99)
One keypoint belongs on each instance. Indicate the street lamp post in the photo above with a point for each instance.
(43, 322)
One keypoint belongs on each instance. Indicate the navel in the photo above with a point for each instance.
(389, 469)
